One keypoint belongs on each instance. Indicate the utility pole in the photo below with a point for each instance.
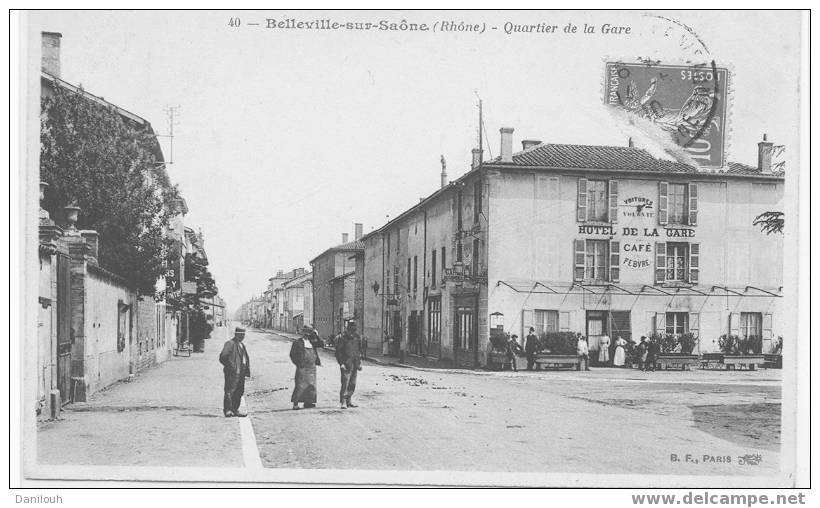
(172, 112)
(482, 130)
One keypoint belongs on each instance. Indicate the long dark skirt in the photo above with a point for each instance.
(305, 385)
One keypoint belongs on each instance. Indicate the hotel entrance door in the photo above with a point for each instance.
(596, 328)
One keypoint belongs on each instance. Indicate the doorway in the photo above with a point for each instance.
(596, 328)
(464, 336)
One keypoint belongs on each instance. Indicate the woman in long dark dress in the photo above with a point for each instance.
(303, 354)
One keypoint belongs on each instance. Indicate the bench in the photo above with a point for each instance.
(711, 361)
(556, 361)
(682, 362)
(750, 362)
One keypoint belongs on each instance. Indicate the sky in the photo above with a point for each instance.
(286, 138)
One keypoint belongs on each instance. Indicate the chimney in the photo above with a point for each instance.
(478, 156)
(764, 155)
(443, 172)
(529, 143)
(344, 237)
(279, 273)
(630, 143)
(50, 59)
(506, 143)
(357, 227)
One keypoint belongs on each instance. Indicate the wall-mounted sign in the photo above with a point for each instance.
(638, 231)
(189, 288)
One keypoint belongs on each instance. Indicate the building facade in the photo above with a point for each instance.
(624, 244)
(336, 300)
(587, 239)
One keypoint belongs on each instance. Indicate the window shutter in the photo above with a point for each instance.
(526, 323)
(613, 201)
(767, 327)
(660, 262)
(694, 323)
(660, 322)
(663, 203)
(734, 323)
(580, 254)
(694, 263)
(693, 204)
(582, 199)
(563, 321)
(614, 261)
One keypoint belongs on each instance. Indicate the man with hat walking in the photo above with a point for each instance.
(348, 354)
(236, 366)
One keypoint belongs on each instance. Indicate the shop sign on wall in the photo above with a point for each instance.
(638, 231)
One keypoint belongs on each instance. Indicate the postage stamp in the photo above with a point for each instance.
(686, 104)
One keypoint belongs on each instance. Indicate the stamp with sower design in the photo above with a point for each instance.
(684, 105)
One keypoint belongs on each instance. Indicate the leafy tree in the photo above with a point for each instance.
(770, 222)
(96, 159)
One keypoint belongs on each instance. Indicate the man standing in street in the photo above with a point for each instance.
(236, 366)
(531, 348)
(348, 354)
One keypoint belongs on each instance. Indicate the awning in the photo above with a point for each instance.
(608, 288)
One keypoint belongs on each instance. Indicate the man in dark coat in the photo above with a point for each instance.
(348, 354)
(643, 353)
(653, 349)
(236, 365)
(531, 348)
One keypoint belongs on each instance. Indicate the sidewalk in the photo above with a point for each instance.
(169, 415)
(760, 377)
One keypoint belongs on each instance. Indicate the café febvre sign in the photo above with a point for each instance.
(638, 231)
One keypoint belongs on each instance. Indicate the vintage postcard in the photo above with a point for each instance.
(421, 248)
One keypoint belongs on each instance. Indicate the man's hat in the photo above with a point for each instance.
(239, 331)
(307, 329)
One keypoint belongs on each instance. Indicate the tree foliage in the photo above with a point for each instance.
(770, 222)
(94, 158)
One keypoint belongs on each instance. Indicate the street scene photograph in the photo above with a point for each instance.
(412, 248)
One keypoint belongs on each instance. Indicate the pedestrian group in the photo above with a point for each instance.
(305, 357)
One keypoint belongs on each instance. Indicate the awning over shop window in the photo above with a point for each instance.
(538, 287)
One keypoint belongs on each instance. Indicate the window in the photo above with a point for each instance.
(408, 274)
(597, 206)
(677, 323)
(676, 261)
(388, 243)
(415, 273)
(476, 252)
(433, 267)
(751, 324)
(459, 253)
(443, 259)
(596, 256)
(476, 200)
(620, 325)
(434, 320)
(395, 280)
(677, 203)
(545, 321)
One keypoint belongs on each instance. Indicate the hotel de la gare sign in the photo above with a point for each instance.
(638, 237)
